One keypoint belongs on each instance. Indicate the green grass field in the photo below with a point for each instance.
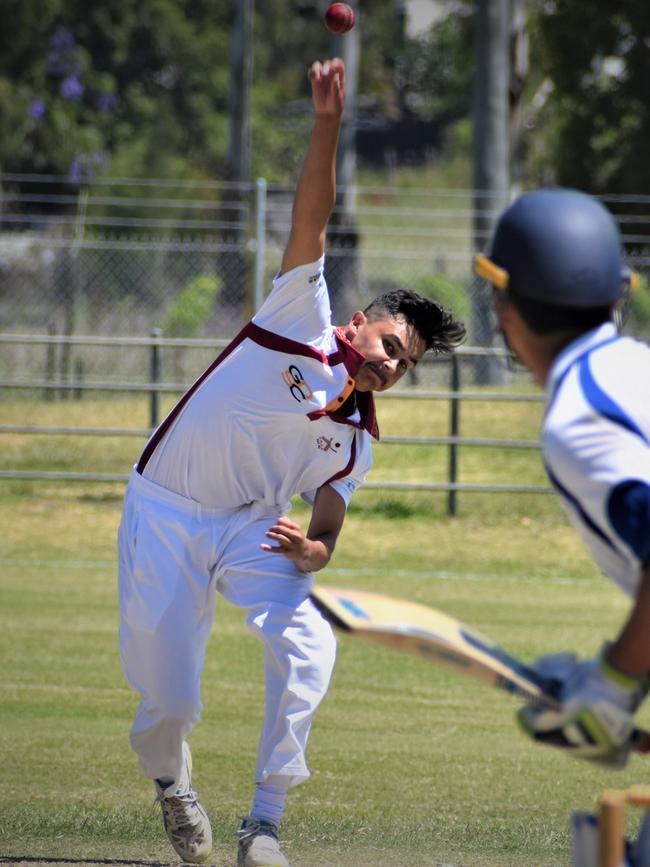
(412, 764)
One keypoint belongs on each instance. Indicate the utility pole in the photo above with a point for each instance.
(234, 262)
(519, 69)
(239, 97)
(491, 154)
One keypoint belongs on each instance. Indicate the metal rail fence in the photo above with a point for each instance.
(121, 256)
(188, 259)
(153, 387)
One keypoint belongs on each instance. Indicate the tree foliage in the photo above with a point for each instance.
(597, 120)
(140, 87)
(188, 311)
(133, 82)
(436, 69)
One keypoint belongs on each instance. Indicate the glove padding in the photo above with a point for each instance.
(595, 719)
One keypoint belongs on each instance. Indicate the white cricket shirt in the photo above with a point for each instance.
(596, 443)
(260, 424)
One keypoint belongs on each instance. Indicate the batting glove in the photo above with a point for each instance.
(595, 719)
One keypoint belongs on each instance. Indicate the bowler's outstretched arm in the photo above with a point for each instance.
(316, 190)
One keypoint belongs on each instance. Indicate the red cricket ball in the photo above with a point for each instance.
(340, 17)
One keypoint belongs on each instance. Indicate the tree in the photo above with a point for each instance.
(136, 84)
(140, 87)
(596, 123)
(434, 71)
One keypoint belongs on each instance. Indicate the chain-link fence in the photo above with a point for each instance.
(125, 257)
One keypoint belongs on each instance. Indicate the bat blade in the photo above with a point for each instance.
(435, 636)
(432, 635)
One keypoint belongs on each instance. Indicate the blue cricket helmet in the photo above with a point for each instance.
(558, 246)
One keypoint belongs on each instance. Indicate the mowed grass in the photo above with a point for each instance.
(413, 765)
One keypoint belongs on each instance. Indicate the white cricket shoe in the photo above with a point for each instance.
(259, 845)
(186, 822)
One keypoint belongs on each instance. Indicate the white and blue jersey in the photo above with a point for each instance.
(596, 444)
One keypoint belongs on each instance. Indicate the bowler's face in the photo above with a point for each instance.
(391, 347)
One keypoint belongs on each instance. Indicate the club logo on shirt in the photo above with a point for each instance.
(327, 444)
(297, 386)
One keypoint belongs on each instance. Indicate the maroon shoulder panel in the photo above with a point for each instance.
(345, 354)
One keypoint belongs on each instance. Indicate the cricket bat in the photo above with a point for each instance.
(436, 637)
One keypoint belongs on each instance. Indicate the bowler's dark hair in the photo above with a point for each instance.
(543, 318)
(438, 328)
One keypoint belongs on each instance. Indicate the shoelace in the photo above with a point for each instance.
(252, 829)
(177, 805)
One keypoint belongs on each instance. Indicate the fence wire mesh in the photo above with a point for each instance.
(125, 257)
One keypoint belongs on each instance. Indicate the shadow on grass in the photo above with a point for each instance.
(397, 509)
(36, 859)
(103, 496)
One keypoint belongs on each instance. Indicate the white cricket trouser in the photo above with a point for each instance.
(174, 556)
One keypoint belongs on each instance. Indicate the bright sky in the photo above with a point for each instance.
(421, 14)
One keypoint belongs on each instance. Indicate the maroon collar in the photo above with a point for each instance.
(352, 359)
(346, 353)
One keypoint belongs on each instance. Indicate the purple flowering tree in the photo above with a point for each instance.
(72, 88)
(145, 83)
(71, 108)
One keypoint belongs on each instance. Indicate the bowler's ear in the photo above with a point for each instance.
(351, 329)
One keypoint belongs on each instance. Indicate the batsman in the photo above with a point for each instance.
(558, 276)
(286, 409)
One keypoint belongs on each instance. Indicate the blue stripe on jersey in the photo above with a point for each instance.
(583, 355)
(576, 505)
(602, 402)
(628, 507)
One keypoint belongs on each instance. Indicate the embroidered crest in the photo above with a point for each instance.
(327, 444)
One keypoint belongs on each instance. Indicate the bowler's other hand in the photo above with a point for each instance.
(290, 541)
(328, 86)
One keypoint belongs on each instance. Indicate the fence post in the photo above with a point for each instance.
(50, 363)
(260, 241)
(79, 372)
(454, 431)
(154, 405)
